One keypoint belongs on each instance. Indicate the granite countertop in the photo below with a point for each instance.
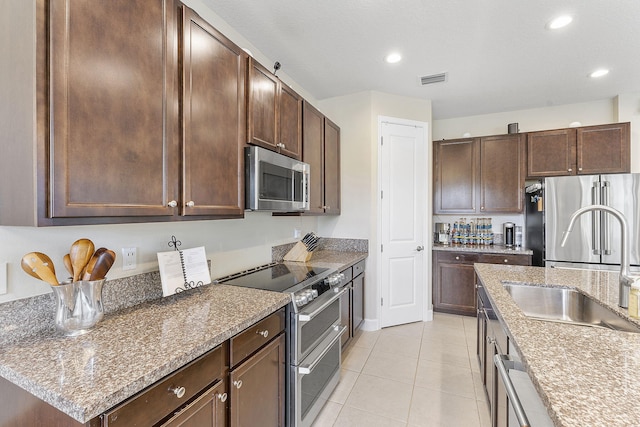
(131, 349)
(585, 376)
(134, 347)
(489, 249)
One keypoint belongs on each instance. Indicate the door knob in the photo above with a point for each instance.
(420, 248)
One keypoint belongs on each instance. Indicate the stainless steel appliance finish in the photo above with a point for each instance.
(596, 238)
(275, 182)
(314, 330)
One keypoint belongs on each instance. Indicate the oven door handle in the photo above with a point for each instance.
(306, 317)
(501, 361)
(308, 368)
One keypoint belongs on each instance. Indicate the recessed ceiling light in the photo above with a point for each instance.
(599, 73)
(559, 22)
(393, 58)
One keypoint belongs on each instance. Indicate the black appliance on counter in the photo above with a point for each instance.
(313, 331)
(534, 221)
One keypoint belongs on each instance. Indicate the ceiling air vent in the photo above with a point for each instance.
(433, 78)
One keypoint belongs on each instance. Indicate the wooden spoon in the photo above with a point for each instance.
(80, 253)
(102, 265)
(40, 266)
(67, 264)
(86, 273)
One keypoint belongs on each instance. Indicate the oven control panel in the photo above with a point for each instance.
(305, 296)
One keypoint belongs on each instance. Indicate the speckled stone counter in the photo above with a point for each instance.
(132, 348)
(585, 376)
(489, 249)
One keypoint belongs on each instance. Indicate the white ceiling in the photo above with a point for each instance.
(498, 54)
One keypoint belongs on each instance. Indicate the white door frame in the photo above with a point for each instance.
(427, 312)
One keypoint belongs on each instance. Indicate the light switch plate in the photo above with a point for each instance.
(3, 278)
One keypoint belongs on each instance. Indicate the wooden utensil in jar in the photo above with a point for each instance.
(40, 266)
(102, 265)
(80, 253)
(67, 264)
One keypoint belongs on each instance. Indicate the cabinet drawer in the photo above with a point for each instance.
(462, 257)
(506, 259)
(161, 399)
(348, 274)
(358, 269)
(255, 336)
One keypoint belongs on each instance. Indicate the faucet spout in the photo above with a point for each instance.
(625, 277)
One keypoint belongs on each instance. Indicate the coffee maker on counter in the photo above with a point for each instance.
(442, 234)
(509, 230)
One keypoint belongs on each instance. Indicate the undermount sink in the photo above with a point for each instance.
(565, 305)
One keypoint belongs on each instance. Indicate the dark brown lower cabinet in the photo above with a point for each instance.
(257, 388)
(209, 410)
(352, 302)
(453, 278)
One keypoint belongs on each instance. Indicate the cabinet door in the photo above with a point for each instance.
(214, 124)
(455, 176)
(312, 153)
(262, 107)
(331, 168)
(346, 302)
(257, 388)
(502, 173)
(604, 149)
(113, 108)
(358, 303)
(290, 122)
(551, 153)
(453, 285)
(208, 410)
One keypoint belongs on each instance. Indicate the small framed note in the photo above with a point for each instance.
(183, 269)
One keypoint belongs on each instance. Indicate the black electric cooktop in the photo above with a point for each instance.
(277, 278)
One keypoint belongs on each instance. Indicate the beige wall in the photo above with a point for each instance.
(628, 110)
(357, 116)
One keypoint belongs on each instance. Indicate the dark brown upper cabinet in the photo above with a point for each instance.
(213, 120)
(579, 151)
(321, 149)
(274, 113)
(479, 175)
(113, 119)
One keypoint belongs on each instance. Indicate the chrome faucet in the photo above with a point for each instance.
(625, 277)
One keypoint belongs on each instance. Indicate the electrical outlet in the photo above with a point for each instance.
(297, 233)
(129, 258)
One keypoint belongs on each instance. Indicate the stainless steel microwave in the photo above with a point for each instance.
(275, 182)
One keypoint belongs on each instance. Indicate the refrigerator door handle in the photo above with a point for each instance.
(595, 220)
(606, 229)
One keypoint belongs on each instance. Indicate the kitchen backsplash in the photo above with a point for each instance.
(32, 315)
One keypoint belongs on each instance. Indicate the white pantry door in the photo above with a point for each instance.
(403, 185)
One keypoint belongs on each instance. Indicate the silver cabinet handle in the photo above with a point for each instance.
(264, 333)
(178, 391)
(506, 260)
(191, 204)
(499, 360)
(172, 204)
(222, 397)
(237, 383)
(457, 257)
(420, 248)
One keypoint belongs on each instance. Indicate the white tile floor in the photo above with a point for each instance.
(420, 374)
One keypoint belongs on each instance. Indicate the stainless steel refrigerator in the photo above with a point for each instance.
(596, 237)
